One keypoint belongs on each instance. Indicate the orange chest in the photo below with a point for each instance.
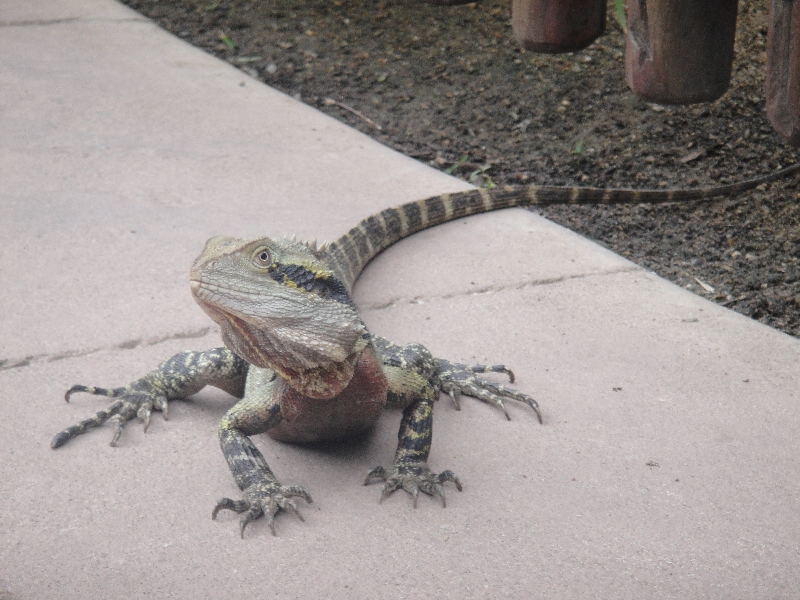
(351, 412)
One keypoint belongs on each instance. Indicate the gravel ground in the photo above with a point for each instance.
(451, 87)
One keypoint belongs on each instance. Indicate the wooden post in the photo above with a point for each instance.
(557, 25)
(783, 69)
(680, 51)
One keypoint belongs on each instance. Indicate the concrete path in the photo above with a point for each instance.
(667, 465)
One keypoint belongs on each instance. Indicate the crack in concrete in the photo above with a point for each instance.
(46, 22)
(491, 289)
(14, 363)
(38, 22)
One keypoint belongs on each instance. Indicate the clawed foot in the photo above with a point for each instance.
(136, 400)
(456, 379)
(263, 499)
(413, 478)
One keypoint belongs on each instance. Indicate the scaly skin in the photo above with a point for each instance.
(302, 361)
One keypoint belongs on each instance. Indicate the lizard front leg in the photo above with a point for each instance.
(409, 371)
(455, 379)
(410, 470)
(262, 494)
(178, 377)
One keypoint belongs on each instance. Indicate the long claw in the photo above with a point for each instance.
(455, 395)
(494, 369)
(415, 478)
(376, 473)
(251, 515)
(266, 498)
(535, 406)
(271, 522)
(296, 490)
(502, 405)
(161, 404)
(145, 410)
(390, 486)
(455, 379)
(290, 505)
(238, 506)
(438, 491)
(116, 423)
(90, 389)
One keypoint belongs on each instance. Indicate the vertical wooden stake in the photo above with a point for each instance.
(557, 25)
(783, 69)
(680, 51)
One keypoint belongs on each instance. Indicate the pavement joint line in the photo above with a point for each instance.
(491, 289)
(7, 364)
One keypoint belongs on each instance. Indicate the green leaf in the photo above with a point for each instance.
(578, 149)
(619, 14)
(227, 41)
(451, 169)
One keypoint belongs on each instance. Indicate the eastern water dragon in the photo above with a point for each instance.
(303, 363)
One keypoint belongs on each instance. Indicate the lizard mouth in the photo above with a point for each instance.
(197, 293)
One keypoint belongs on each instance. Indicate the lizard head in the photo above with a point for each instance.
(280, 307)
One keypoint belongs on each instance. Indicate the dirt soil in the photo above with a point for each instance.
(451, 87)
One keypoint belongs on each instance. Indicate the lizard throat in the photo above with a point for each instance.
(319, 377)
(320, 383)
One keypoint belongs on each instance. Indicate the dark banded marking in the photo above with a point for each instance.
(324, 286)
(351, 255)
(435, 209)
(413, 216)
(394, 226)
(465, 204)
(359, 243)
(414, 440)
(376, 231)
(344, 260)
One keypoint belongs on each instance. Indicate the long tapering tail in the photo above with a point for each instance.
(351, 252)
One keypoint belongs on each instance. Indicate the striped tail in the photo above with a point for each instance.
(351, 252)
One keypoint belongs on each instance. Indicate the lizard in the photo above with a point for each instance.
(302, 362)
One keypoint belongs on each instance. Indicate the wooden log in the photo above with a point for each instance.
(680, 51)
(557, 25)
(783, 69)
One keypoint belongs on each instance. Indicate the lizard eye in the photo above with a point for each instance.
(262, 257)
